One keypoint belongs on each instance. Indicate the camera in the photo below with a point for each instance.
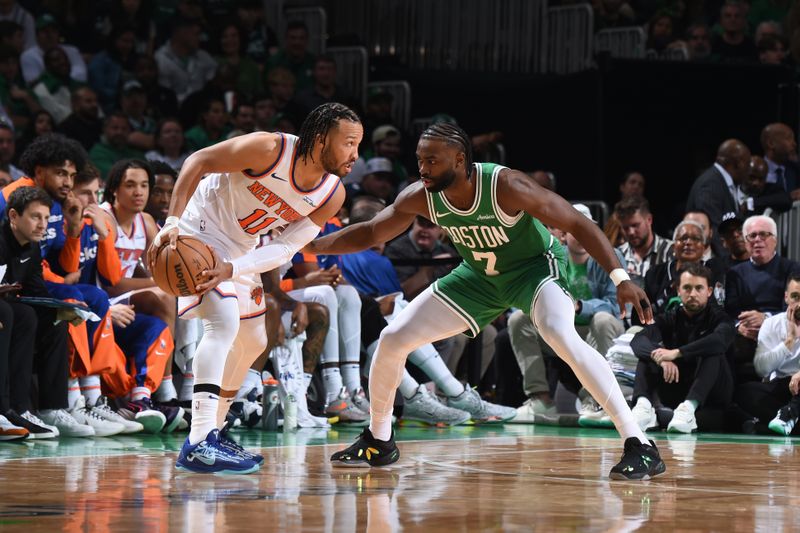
(797, 314)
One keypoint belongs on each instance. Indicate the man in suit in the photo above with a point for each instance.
(715, 191)
(757, 195)
(780, 153)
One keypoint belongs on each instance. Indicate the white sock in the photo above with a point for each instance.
(166, 391)
(90, 388)
(251, 381)
(351, 375)
(306, 380)
(554, 316)
(73, 392)
(140, 393)
(204, 415)
(644, 402)
(408, 386)
(223, 406)
(187, 387)
(333, 383)
(427, 359)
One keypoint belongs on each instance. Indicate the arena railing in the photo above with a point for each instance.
(789, 232)
(351, 69)
(480, 35)
(626, 43)
(401, 100)
(316, 19)
(570, 35)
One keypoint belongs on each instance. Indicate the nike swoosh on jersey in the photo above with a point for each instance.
(24, 260)
(278, 177)
(440, 215)
(104, 335)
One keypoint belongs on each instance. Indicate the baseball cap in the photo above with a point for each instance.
(379, 165)
(730, 221)
(43, 21)
(585, 211)
(132, 86)
(381, 132)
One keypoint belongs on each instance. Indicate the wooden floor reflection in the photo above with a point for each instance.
(498, 483)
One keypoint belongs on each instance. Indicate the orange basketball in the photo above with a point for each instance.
(178, 271)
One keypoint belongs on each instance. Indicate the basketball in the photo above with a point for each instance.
(177, 271)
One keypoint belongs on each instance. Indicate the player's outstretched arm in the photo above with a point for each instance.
(518, 192)
(388, 224)
(279, 251)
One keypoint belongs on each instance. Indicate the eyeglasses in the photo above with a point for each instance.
(763, 235)
(687, 238)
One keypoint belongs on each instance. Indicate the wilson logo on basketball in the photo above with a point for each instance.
(257, 294)
(181, 285)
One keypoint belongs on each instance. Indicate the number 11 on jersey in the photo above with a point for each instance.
(491, 261)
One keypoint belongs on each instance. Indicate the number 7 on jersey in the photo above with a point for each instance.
(491, 261)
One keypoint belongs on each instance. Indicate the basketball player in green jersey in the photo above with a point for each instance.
(494, 217)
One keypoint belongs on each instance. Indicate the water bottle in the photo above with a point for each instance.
(271, 405)
(290, 413)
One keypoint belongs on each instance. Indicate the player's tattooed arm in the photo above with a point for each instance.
(393, 220)
(517, 192)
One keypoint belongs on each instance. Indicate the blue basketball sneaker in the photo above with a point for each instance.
(211, 457)
(235, 448)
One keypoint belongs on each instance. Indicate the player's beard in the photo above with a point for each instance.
(328, 161)
(443, 181)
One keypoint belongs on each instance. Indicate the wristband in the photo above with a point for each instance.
(171, 221)
(619, 275)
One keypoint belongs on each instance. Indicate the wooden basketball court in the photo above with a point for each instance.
(501, 478)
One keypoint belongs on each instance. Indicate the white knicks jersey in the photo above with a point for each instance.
(130, 246)
(235, 208)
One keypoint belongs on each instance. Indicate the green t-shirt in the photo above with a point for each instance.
(578, 284)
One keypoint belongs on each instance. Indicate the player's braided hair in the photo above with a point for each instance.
(450, 133)
(318, 123)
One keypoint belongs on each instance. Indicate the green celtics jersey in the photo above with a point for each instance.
(488, 239)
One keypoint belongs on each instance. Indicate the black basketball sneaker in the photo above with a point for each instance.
(367, 451)
(639, 461)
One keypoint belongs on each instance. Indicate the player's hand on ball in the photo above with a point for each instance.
(168, 233)
(211, 278)
(630, 293)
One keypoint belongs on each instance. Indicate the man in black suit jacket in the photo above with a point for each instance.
(780, 153)
(715, 191)
(34, 334)
(760, 195)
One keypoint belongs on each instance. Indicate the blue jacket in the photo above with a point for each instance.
(603, 290)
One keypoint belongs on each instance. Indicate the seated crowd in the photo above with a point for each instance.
(89, 155)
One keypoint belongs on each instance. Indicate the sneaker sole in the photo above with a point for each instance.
(42, 436)
(152, 423)
(622, 477)
(778, 428)
(684, 431)
(108, 432)
(437, 424)
(251, 470)
(8, 438)
(169, 428)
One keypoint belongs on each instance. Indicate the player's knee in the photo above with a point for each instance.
(348, 297)
(318, 315)
(396, 341)
(224, 331)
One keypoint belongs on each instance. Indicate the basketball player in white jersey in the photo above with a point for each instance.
(253, 184)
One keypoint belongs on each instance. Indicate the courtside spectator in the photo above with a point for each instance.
(48, 36)
(682, 356)
(84, 123)
(170, 144)
(780, 153)
(643, 249)
(294, 55)
(113, 144)
(182, 65)
(757, 195)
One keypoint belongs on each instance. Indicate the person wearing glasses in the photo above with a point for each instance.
(689, 243)
(754, 290)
